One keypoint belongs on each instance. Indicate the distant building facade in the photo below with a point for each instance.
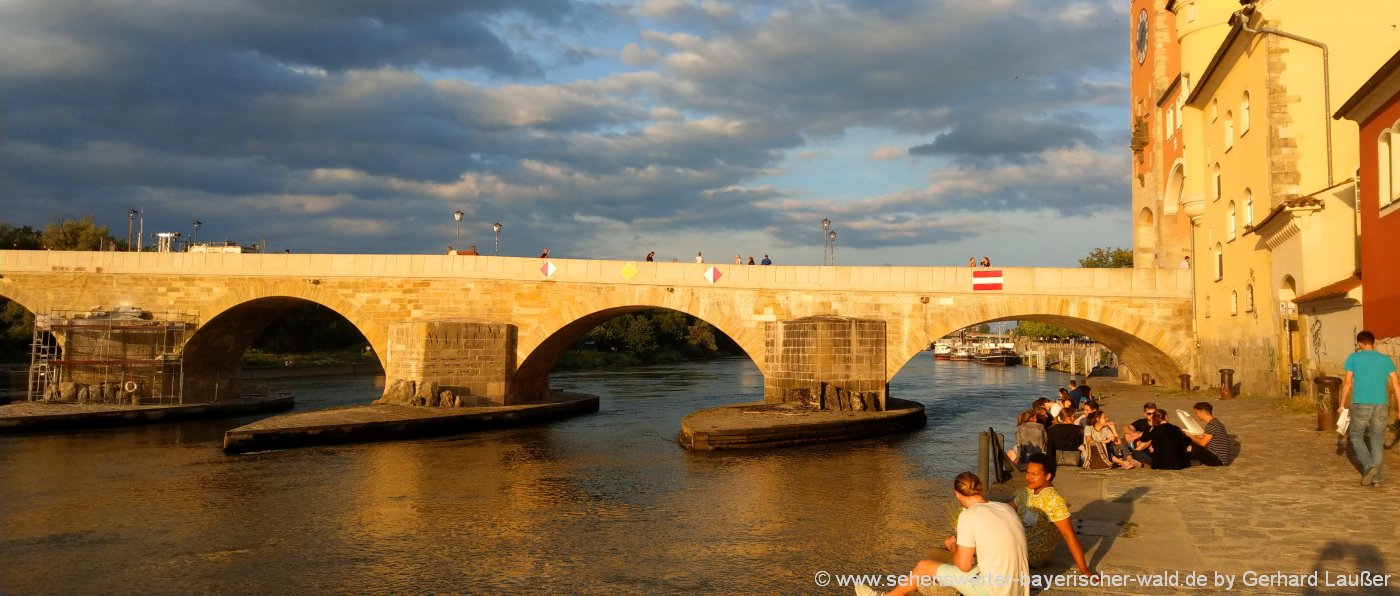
(1266, 176)
(1161, 232)
(1375, 108)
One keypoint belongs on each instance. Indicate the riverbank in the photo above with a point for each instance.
(1291, 503)
(27, 416)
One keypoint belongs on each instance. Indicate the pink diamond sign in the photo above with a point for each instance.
(548, 269)
(712, 274)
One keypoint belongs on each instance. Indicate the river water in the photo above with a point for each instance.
(604, 503)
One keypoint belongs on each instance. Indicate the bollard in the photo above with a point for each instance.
(983, 444)
(1185, 382)
(1328, 401)
(1227, 383)
(1146, 379)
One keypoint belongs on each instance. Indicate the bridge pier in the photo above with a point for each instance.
(827, 362)
(464, 356)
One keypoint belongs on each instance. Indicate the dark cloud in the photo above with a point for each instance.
(359, 124)
(1011, 138)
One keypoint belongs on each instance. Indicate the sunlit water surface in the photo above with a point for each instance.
(602, 503)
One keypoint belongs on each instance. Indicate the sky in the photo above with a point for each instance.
(927, 131)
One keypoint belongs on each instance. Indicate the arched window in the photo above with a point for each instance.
(1230, 221)
(1214, 110)
(1219, 262)
(1249, 298)
(1388, 162)
(1229, 130)
(1248, 207)
(1244, 114)
(1234, 303)
(1215, 182)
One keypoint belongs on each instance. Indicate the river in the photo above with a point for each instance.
(602, 503)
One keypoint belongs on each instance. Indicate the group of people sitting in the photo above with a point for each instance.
(1083, 434)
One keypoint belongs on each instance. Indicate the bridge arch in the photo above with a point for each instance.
(228, 325)
(13, 292)
(541, 345)
(1140, 345)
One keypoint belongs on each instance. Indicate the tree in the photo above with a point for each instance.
(1108, 258)
(25, 238)
(1037, 329)
(81, 234)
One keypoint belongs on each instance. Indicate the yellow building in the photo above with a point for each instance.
(1268, 180)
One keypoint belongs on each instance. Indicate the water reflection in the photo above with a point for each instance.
(606, 502)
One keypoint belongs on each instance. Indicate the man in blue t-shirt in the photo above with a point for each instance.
(1364, 391)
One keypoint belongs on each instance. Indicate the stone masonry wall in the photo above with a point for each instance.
(829, 363)
(1254, 361)
(466, 357)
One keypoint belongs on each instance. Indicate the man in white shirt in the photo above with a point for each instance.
(987, 556)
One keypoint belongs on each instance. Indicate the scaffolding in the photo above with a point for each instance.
(126, 356)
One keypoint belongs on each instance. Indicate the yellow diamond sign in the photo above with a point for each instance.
(629, 271)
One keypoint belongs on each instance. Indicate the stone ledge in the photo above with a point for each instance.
(760, 425)
(391, 422)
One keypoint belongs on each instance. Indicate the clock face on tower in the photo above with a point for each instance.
(1142, 37)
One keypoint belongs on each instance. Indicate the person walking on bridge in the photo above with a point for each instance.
(1364, 390)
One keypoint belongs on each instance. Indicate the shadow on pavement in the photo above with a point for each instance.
(1100, 523)
(1346, 566)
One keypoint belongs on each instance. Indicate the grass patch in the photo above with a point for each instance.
(253, 358)
(1298, 404)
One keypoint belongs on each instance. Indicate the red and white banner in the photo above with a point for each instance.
(986, 279)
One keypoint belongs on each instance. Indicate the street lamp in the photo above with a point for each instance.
(130, 223)
(826, 229)
(497, 227)
(194, 238)
(832, 236)
(457, 215)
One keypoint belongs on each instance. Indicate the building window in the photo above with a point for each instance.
(1214, 110)
(1229, 130)
(1219, 262)
(1249, 298)
(1388, 166)
(1230, 222)
(1206, 309)
(1215, 182)
(1248, 207)
(1234, 303)
(1244, 114)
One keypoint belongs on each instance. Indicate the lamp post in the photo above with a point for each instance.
(457, 215)
(130, 224)
(497, 227)
(832, 236)
(826, 244)
(194, 238)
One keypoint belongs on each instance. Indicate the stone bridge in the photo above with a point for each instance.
(495, 326)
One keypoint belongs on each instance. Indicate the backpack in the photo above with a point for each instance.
(1096, 457)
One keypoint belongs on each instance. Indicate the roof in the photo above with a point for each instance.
(1162, 99)
(1310, 200)
(1364, 94)
(1283, 206)
(1332, 290)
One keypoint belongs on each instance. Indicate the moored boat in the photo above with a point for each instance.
(999, 357)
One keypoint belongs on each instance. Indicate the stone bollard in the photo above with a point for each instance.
(1227, 383)
(1328, 401)
(1185, 381)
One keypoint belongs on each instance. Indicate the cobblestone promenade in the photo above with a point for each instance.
(1290, 504)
